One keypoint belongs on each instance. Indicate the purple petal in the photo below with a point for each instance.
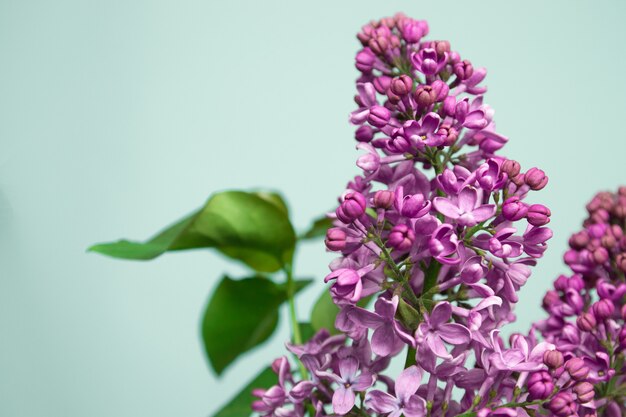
(446, 207)
(440, 314)
(380, 402)
(383, 340)
(430, 122)
(364, 381)
(415, 407)
(454, 333)
(365, 318)
(407, 383)
(343, 400)
(482, 213)
(387, 308)
(467, 199)
(436, 345)
(348, 367)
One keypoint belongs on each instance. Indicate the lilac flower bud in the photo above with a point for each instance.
(379, 45)
(577, 369)
(401, 237)
(540, 385)
(511, 168)
(414, 206)
(550, 298)
(600, 255)
(352, 207)
(574, 300)
(584, 392)
(441, 90)
(425, 95)
(586, 322)
(449, 134)
(412, 31)
(553, 359)
(562, 404)
(364, 133)
(538, 215)
(441, 47)
(383, 199)
(561, 283)
(463, 69)
(620, 260)
(623, 311)
(603, 309)
(622, 338)
(365, 60)
(449, 105)
(536, 179)
(335, 239)
(382, 84)
(608, 242)
(379, 116)
(518, 180)
(514, 209)
(579, 240)
(402, 85)
(612, 410)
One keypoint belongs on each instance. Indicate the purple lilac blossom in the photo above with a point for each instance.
(437, 231)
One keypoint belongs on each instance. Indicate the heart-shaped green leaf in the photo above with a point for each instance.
(318, 229)
(251, 227)
(241, 314)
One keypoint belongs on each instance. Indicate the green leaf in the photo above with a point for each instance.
(325, 312)
(317, 229)
(241, 315)
(306, 331)
(251, 227)
(239, 406)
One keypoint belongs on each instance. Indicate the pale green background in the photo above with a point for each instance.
(118, 117)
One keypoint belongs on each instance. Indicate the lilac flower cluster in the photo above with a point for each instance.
(587, 310)
(437, 236)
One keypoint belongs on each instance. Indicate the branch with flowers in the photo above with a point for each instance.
(435, 240)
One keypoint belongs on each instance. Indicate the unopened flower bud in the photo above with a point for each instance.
(364, 133)
(335, 239)
(577, 369)
(402, 85)
(579, 240)
(600, 255)
(379, 45)
(620, 260)
(352, 207)
(441, 90)
(379, 116)
(536, 179)
(538, 215)
(540, 385)
(441, 47)
(518, 180)
(622, 338)
(514, 209)
(383, 199)
(365, 60)
(550, 298)
(401, 237)
(603, 309)
(562, 404)
(553, 359)
(463, 69)
(382, 84)
(584, 392)
(425, 95)
(449, 106)
(586, 322)
(511, 167)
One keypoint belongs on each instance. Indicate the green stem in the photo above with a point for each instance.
(296, 336)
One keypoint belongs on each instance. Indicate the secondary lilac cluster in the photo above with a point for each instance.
(436, 240)
(587, 308)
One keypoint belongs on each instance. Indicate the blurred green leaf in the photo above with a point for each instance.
(239, 406)
(325, 312)
(306, 331)
(318, 229)
(240, 315)
(251, 227)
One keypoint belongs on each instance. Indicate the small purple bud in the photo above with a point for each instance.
(577, 369)
(562, 404)
(379, 116)
(518, 180)
(383, 199)
(401, 237)
(600, 255)
(352, 207)
(402, 85)
(365, 60)
(441, 47)
(414, 206)
(382, 84)
(511, 167)
(586, 322)
(551, 297)
(553, 359)
(540, 385)
(425, 95)
(612, 410)
(584, 392)
(441, 90)
(449, 134)
(561, 283)
(622, 338)
(623, 311)
(463, 69)
(364, 133)
(536, 179)
(449, 105)
(538, 215)
(335, 239)
(514, 209)
(620, 260)
(579, 240)
(603, 309)
(379, 45)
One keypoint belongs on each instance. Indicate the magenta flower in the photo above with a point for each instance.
(388, 335)
(405, 402)
(349, 381)
(466, 209)
(428, 62)
(435, 330)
